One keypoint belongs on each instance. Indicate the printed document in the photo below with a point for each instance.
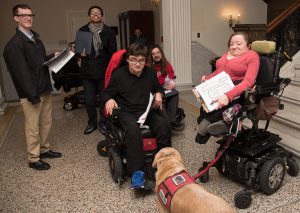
(57, 62)
(143, 117)
(209, 90)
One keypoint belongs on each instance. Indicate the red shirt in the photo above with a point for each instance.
(244, 67)
(160, 77)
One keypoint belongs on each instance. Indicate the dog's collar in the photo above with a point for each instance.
(167, 189)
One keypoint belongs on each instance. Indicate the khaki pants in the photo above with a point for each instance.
(38, 121)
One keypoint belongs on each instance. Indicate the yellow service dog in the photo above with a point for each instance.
(189, 198)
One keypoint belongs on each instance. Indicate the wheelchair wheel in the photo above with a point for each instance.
(69, 106)
(242, 199)
(271, 175)
(293, 168)
(219, 164)
(102, 148)
(205, 177)
(115, 166)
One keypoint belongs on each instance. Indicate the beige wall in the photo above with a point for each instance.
(210, 19)
(51, 20)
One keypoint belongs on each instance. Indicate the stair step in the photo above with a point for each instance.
(297, 69)
(290, 143)
(295, 81)
(286, 123)
(291, 91)
(290, 105)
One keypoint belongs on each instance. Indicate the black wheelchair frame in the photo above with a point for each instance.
(252, 155)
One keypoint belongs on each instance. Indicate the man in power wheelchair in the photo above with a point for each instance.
(251, 154)
(127, 96)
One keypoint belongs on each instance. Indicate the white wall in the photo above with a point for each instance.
(210, 19)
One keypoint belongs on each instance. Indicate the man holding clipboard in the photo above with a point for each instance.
(95, 42)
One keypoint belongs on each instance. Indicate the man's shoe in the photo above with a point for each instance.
(39, 165)
(50, 154)
(218, 128)
(103, 127)
(177, 126)
(89, 129)
(138, 180)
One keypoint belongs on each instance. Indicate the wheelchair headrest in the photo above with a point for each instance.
(263, 47)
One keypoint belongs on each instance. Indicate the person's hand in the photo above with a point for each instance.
(203, 79)
(171, 85)
(83, 53)
(110, 105)
(157, 104)
(56, 54)
(222, 101)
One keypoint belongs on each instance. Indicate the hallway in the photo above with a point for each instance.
(80, 181)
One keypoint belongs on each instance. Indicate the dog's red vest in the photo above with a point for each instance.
(167, 189)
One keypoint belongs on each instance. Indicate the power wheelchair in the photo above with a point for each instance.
(114, 146)
(252, 155)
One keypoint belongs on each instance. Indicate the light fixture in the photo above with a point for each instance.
(232, 21)
(154, 2)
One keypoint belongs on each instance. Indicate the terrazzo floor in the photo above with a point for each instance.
(80, 181)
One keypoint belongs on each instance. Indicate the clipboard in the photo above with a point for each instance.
(83, 41)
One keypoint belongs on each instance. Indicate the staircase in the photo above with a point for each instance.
(286, 122)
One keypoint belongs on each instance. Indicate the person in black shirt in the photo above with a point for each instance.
(129, 88)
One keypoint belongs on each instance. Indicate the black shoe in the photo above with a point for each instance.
(200, 139)
(89, 129)
(39, 165)
(177, 126)
(50, 154)
(103, 127)
(149, 184)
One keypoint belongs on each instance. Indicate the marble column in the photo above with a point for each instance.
(3, 104)
(176, 21)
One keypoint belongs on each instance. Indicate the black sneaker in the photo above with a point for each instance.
(177, 126)
(200, 139)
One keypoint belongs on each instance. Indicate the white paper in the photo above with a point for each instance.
(143, 117)
(213, 88)
(57, 62)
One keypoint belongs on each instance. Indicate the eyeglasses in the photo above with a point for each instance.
(95, 13)
(26, 15)
(135, 60)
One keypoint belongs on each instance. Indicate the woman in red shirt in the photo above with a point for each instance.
(242, 65)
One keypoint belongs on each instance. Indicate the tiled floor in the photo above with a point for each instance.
(80, 181)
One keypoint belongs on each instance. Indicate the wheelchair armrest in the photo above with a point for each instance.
(115, 113)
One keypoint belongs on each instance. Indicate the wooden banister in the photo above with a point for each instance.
(279, 19)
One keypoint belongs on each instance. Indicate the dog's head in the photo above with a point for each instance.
(166, 153)
(168, 162)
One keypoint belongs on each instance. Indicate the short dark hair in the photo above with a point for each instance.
(92, 7)
(137, 49)
(22, 6)
(244, 34)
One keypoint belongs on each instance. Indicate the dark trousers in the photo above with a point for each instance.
(158, 124)
(92, 87)
(172, 106)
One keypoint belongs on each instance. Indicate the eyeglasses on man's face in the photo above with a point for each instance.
(135, 60)
(26, 15)
(93, 13)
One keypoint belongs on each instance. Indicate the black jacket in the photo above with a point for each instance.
(131, 92)
(94, 68)
(24, 60)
